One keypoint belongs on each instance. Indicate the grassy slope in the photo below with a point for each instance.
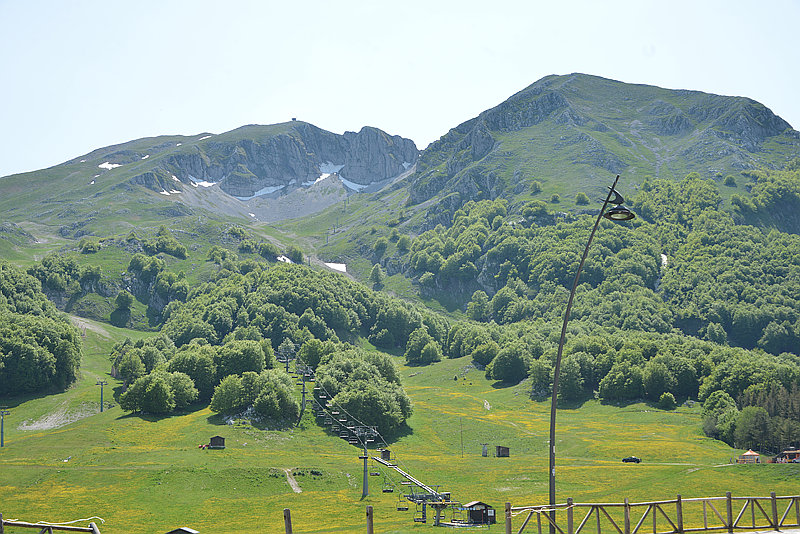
(147, 474)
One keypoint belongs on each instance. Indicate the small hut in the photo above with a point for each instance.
(501, 452)
(386, 454)
(479, 513)
(217, 442)
(749, 457)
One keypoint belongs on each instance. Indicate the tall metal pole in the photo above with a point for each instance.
(101, 383)
(557, 368)
(365, 485)
(3, 414)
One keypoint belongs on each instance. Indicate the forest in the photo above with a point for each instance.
(689, 302)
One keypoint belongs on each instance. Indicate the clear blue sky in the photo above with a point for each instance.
(78, 75)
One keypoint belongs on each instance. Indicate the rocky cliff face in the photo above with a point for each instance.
(254, 160)
(577, 128)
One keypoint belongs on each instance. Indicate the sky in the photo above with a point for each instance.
(80, 75)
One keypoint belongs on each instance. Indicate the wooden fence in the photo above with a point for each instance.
(659, 517)
(46, 527)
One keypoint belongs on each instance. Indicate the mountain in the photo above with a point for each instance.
(566, 132)
(242, 173)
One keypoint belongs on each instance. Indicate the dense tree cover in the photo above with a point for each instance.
(159, 392)
(366, 386)
(297, 303)
(59, 273)
(769, 418)
(269, 393)
(39, 349)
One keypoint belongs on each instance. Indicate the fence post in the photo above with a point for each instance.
(679, 509)
(369, 519)
(729, 510)
(570, 518)
(508, 518)
(774, 500)
(627, 516)
(1, 524)
(287, 520)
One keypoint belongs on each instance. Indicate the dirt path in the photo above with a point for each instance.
(82, 324)
(291, 480)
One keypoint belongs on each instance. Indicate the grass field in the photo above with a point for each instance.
(143, 474)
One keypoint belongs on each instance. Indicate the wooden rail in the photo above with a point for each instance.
(45, 527)
(677, 515)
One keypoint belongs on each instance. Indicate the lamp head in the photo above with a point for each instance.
(619, 213)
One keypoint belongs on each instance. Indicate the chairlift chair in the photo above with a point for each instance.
(402, 504)
(388, 487)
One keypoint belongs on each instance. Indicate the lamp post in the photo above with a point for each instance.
(3, 414)
(101, 383)
(617, 213)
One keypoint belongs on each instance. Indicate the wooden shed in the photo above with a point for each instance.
(501, 452)
(479, 513)
(217, 442)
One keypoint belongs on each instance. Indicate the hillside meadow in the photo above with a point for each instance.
(147, 474)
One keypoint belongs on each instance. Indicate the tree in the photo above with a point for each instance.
(570, 382)
(228, 395)
(196, 361)
(417, 341)
(183, 390)
(150, 394)
(238, 356)
(581, 199)
(478, 306)
(124, 300)
(656, 379)
(667, 401)
(752, 427)
(376, 276)
(509, 364)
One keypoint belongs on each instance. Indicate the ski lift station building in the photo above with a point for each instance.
(479, 513)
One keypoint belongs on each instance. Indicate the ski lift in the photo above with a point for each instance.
(387, 486)
(375, 473)
(420, 515)
(402, 505)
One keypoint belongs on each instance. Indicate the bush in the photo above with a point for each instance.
(667, 401)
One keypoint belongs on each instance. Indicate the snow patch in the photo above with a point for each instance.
(201, 183)
(174, 192)
(664, 260)
(406, 165)
(83, 161)
(204, 138)
(329, 167)
(91, 183)
(263, 191)
(341, 267)
(146, 156)
(164, 193)
(178, 144)
(284, 259)
(352, 185)
(175, 178)
(107, 165)
(97, 176)
(252, 214)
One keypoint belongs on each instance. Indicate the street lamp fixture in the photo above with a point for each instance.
(616, 213)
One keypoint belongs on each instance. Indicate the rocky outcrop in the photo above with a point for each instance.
(255, 160)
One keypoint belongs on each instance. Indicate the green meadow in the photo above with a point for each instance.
(65, 460)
